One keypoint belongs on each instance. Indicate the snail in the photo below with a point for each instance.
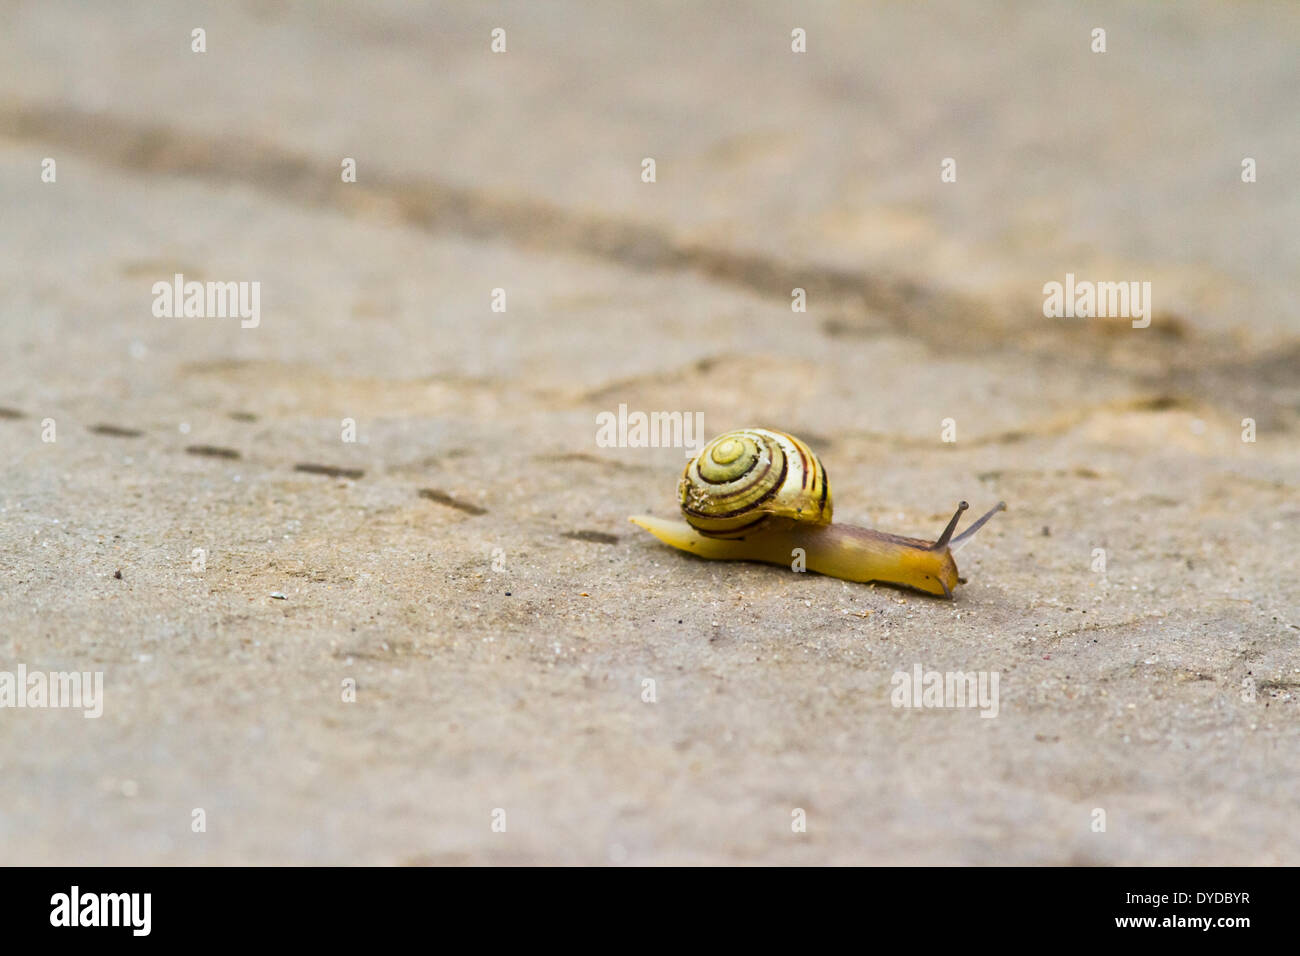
(757, 495)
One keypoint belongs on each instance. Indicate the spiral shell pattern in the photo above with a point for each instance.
(744, 481)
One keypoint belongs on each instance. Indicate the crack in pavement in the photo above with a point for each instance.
(942, 319)
(911, 307)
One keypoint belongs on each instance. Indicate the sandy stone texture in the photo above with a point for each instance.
(467, 561)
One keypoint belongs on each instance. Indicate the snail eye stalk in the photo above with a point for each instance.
(952, 526)
(965, 536)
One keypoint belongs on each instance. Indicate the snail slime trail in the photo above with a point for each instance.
(761, 495)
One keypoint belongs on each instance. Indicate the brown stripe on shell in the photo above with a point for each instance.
(754, 480)
(740, 530)
(770, 493)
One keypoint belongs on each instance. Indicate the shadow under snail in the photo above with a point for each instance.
(757, 495)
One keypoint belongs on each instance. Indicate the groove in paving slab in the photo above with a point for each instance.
(942, 319)
(211, 451)
(115, 431)
(331, 471)
(434, 206)
(433, 494)
(595, 537)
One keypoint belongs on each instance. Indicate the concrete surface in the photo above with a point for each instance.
(499, 626)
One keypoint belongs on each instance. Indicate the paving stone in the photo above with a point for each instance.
(1163, 691)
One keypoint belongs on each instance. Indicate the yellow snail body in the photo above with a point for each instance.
(757, 495)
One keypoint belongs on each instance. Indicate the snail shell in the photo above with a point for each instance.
(753, 480)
